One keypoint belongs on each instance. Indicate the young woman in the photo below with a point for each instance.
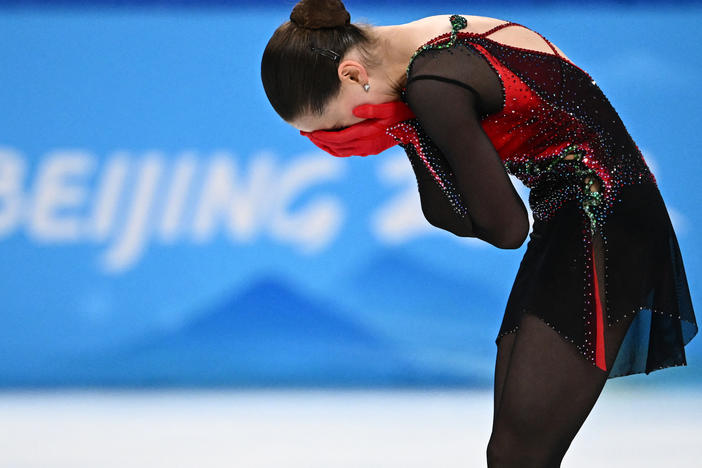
(601, 291)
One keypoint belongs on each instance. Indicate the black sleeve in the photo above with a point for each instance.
(449, 90)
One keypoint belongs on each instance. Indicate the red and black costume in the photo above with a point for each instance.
(484, 110)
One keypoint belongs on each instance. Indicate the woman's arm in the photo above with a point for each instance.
(436, 207)
(447, 110)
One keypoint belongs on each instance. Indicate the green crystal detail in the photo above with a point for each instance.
(591, 202)
(457, 22)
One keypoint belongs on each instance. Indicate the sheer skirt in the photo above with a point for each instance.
(640, 274)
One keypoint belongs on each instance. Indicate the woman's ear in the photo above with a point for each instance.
(352, 70)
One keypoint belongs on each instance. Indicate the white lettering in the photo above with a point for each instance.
(133, 200)
(400, 218)
(176, 196)
(52, 192)
(313, 227)
(12, 170)
(108, 196)
(242, 207)
(131, 243)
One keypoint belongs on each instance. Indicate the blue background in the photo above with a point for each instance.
(160, 225)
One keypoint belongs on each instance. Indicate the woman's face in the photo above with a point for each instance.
(337, 114)
(339, 110)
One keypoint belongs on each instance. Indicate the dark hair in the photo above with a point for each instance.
(299, 65)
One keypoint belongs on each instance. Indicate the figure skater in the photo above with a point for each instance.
(601, 291)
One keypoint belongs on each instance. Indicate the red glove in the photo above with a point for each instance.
(366, 137)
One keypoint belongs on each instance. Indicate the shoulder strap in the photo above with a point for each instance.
(510, 23)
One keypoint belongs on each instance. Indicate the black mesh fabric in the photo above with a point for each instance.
(448, 91)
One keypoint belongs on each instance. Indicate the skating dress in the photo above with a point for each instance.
(600, 227)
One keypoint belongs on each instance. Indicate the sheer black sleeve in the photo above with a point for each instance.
(449, 90)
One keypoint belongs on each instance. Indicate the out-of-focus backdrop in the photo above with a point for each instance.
(173, 251)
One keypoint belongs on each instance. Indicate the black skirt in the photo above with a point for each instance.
(644, 276)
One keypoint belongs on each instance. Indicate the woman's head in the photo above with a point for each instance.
(315, 68)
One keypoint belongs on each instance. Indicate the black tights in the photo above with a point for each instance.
(544, 390)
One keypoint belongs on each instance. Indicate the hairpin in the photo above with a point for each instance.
(327, 53)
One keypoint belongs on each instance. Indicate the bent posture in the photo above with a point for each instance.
(601, 291)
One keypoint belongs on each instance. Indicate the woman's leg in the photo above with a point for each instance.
(504, 352)
(548, 391)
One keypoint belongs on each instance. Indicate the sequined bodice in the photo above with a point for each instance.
(551, 108)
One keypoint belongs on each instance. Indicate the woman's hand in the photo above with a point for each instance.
(366, 137)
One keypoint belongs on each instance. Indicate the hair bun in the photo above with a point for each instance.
(318, 14)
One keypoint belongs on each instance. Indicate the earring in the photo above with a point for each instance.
(366, 87)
